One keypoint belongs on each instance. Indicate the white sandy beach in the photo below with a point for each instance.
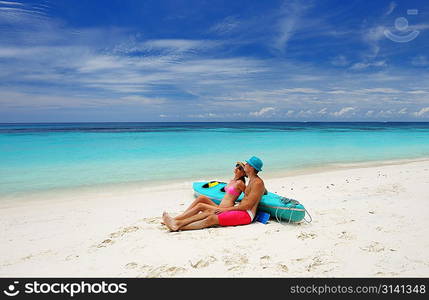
(368, 221)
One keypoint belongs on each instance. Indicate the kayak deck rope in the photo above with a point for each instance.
(311, 219)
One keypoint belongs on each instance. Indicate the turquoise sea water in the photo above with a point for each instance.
(49, 156)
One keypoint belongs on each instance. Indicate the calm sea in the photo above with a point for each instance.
(66, 155)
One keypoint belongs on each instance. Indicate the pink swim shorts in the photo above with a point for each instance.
(234, 217)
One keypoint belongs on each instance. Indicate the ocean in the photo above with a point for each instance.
(38, 157)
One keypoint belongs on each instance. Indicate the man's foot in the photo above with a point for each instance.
(169, 222)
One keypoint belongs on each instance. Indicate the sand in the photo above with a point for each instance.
(368, 221)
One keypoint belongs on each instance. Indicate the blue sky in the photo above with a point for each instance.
(71, 61)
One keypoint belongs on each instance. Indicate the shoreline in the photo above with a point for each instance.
(331, 167)
(139, 186)
(367, 222)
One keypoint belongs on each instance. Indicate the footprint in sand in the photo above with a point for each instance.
(345, 221)
(117, 234)
(124, 231)
(373, 247)
(306, 235)
(346, 236)
(235, 262)
(379, 228)
(163, 271)
(299, 259)
(154, 220)
(142, 269)
(131, 265)
(71, 257)
(282, 267)
(265, 261)
(27, 257)
(203, 262)
(36, 254)
(317, 261)
(105, 243)
(386, 274)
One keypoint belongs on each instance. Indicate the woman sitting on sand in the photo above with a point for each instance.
(233, 190)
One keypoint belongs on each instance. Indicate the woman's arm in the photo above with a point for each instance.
(249, 200)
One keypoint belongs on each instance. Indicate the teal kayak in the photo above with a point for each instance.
(280, 208)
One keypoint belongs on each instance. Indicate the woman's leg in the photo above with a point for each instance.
(198, 200)
(175, 225)
(200, 207)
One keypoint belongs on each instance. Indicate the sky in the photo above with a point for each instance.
(210, 61)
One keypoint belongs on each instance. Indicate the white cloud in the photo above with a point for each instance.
(289, 20)
(177, 45)
(385, 113)
(372, 36)
(420, 61)
(340, 61)
(143, 100)
(300, 90)
(306, 77)
(226, 26)
(421, 112)
(24, 100)
(203, 115)
(379, 90)
(223, 67)
(101, 62)
(286, 31)
(337, 92)
(322, 111)
(305, 113)
(11, 3)
(364, 65)
(262, 111)
(343, 111)
(418, 92)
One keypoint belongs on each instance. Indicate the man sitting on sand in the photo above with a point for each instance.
(241, 214)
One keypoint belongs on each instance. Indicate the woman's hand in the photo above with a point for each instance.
(220, 210)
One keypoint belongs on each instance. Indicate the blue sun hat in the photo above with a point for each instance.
(255, 162)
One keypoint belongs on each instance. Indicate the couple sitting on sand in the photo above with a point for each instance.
(203, 212)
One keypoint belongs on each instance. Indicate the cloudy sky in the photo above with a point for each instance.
(136, 60)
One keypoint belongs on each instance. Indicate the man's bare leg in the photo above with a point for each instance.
(169, 221)
(209, 221)
(198, 200)
(175, 225)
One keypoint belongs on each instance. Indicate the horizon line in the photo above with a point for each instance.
(114, 122)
